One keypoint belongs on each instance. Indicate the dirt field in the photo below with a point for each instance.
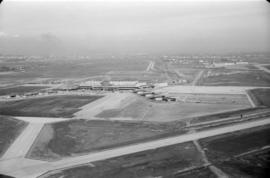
(224, 77)
(10, 128)
(146, 110)
(82, 136)
(162, 162)
(19, 90)
(261, 97)
(53, 106)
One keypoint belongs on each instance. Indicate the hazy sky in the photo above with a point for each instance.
(134, 27)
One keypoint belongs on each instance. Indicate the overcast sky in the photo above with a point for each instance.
(134, 27)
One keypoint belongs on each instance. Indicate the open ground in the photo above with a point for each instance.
(146, 110)
(19, 90)
(27, 169)
(59, 145)
(261, 96)
(51, 106)
(10, 128)
(77, 137)
(240, 154)
(226, 77)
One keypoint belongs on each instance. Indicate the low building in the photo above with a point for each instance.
(112, 85)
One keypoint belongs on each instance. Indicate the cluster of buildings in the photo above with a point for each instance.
(154, 96)
(30, 94)
(224, 64)
(113, 85)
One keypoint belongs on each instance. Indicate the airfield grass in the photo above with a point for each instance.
(261, 96)
(229, 145)
(225, 77)
(240, 154)
(161, 162)
(188, 74)
(268, 66)
(138, 76)
(251, 165)
(77, 137)
(147, 110)
(196, 173)
(10, 128)
(5, 176)
(19, 90)
(52, 106)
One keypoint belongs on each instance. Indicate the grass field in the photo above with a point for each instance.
(240, 154)
(53, 106)
(188, 74)
(198, 173)
(162, 162)
(224, 77)
(138, 75)
(83, 136)
(261, 96)
(252, 165)
(5, 176)
(10, 128)
(268, 66)
(146, 110)
(230, 145)
(19, 90)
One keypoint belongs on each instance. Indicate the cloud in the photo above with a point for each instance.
(7, 35)
(50, 37)
(3, 34)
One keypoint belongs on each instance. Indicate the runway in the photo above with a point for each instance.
(29, 170)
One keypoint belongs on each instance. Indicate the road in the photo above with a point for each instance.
(197, 78)
(150, 66)
(261, 67)
(250, 99)
(23, 142)
(30, 170)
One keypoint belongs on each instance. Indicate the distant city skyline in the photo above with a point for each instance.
(134, 27)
